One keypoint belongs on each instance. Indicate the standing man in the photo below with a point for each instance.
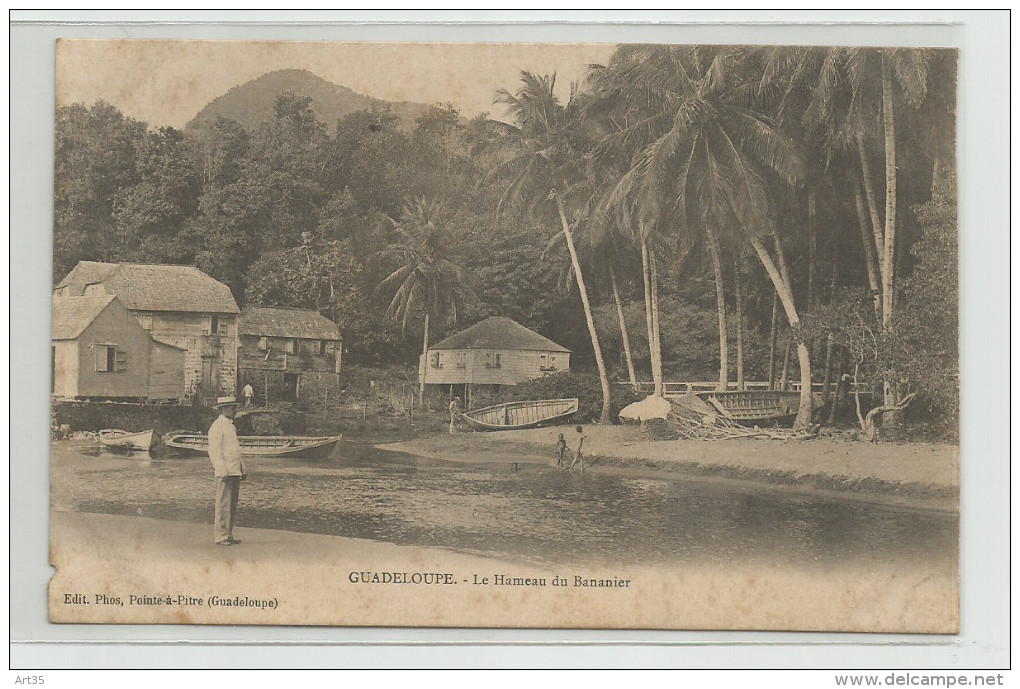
(454, 413)
(249, 393)
(225, 454)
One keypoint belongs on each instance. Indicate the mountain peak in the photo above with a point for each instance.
(252, 102)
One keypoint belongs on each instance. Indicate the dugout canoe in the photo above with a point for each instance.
(117, 439)
(290, 446)
(517, 415)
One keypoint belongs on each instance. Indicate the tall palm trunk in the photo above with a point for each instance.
(869, 251)
(869, 191)
(655, 322)
(738, 296)
(773, 336)
(604, 416)
(720, 307)
(812, 249)
(785, 292)
(651, 314)
(830, 339)
(889, 249)
(894, 417)
(425, 361)
(624, 335)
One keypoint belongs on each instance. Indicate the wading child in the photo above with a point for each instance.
(578, 457)
(561, 450)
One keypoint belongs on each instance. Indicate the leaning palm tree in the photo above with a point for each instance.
(426, 283)
(546, 163)
(707, 156)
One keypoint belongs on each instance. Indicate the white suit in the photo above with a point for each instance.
(225, 454)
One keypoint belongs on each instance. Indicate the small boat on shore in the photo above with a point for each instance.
(117, 439)
(294, 446)
(517, 415)
(749, 407)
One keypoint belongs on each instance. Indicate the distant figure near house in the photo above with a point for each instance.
(578, 457)
(454, 413)
(249, 393)
(561, 450)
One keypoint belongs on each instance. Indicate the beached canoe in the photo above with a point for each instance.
(126, 440)
(749, 407)
(515, 415)
(294, 446)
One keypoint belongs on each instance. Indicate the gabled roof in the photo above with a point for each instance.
(279, 321)
(71, 315)
(145, 287)
(499, 333)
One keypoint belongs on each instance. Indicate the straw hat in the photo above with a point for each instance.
(228, 401)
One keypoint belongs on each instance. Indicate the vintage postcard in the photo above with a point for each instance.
(505, 335)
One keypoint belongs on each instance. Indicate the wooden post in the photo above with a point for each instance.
(267, 388)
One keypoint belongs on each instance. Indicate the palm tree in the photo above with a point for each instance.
(547, 164)
(704, 156)
(862, 85)
(426, 283)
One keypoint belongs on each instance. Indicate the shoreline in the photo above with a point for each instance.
(113, 569)
(914, 474)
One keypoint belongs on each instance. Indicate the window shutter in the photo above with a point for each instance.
(120, 359)
(207, 325)
(330, 348)
(100, 351)
(263, 343)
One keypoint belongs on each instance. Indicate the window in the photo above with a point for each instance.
(330, 347)
(213, 325)
(461, 360)
(292, 346)
(263, 343)
(437, 361)
(492, 360)
(106, 358)
(548, 363)
(321, 350)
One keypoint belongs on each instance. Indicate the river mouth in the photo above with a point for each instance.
(525, 512)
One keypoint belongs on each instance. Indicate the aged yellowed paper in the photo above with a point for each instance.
(505, 335)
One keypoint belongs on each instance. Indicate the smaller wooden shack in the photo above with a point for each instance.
(100, 351)
(289, 354)
(490, 354)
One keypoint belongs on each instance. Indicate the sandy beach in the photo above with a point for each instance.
(137, 570)
(915, 471)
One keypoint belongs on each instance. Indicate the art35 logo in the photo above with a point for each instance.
(30, 679)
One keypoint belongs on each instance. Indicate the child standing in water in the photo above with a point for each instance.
(578, 457)
(561, 450)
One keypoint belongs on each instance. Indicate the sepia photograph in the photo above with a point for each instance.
(505, 335)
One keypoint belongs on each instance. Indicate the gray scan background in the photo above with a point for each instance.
(984, 241)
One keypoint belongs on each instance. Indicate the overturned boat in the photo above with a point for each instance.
(517, 415)
(294, 446)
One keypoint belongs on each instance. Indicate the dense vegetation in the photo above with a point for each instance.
(712, 213)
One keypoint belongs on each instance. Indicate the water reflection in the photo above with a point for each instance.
(535, 513)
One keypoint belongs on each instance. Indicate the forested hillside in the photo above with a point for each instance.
(689, 213)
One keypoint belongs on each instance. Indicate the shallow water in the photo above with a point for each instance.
(536, 513)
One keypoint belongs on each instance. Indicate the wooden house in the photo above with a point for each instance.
(177, 305)
(289, 354)
(100, 351)
(490, 354)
